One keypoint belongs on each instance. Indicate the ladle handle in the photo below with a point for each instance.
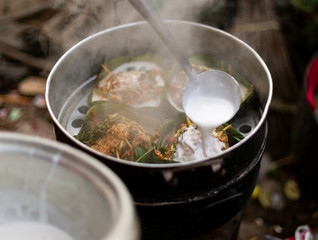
(147, 9)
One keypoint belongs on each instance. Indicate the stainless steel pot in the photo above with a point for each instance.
(52, 183)
(191, 187)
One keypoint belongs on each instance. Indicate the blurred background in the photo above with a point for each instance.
(35, 33)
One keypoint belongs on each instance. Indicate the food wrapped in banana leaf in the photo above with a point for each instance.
(135, 81)
(136, 113)
(186, 144)
(142, 135)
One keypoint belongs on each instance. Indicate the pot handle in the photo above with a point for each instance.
(169, 174)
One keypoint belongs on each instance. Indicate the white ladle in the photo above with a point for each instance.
(211, 98)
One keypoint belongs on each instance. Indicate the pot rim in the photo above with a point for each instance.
(125, 218)
(206, 161)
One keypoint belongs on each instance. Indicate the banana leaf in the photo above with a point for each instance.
(117, 62)
(206, 60)
(233, 135)
(170, 127)
(248, 95)
(148, 156)
(149, 117)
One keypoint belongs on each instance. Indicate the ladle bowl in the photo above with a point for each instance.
(218, 84)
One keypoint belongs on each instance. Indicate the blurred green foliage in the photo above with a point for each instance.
(305, 5)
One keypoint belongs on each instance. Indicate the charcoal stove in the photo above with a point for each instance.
(174, 201)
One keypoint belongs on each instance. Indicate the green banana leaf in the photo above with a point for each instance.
(97, 122)
(148, 156)
(233, 135)
(149, 117)
(117, 62)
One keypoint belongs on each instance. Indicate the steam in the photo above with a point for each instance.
(78, 19)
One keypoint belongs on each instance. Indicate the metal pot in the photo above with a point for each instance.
(215, 188)
(52, 183)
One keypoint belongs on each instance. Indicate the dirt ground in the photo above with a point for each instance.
(280, 202)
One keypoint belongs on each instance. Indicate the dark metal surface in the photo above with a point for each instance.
(192, 218)
(195, 200)
(161, 186)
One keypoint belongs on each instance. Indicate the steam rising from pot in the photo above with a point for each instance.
(78, 19)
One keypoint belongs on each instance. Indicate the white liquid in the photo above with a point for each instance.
(32, 231)
(208, 112)
(28, 202)
(190, 146)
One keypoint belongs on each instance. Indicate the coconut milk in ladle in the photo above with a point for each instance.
(212, 97)
(211, 102)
